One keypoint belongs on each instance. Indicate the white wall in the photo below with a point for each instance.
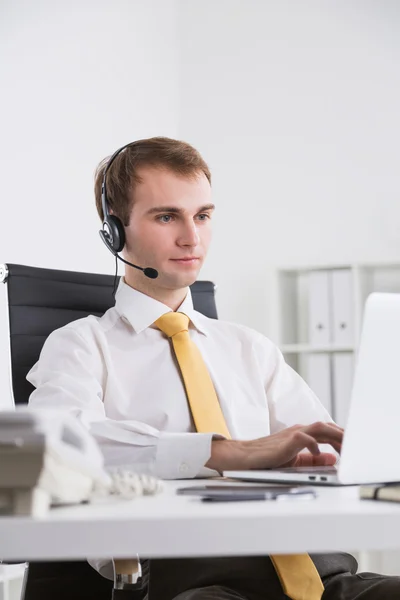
(296, 107)
(80, 79)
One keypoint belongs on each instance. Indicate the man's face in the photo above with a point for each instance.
(170, 226)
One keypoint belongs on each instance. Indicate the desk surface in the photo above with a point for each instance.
(168, 525)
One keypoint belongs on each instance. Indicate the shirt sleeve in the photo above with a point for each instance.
(290, 400)
(71, 375)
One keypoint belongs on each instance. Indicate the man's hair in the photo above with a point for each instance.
(159, 152)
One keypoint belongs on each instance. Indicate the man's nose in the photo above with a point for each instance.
(189, 235)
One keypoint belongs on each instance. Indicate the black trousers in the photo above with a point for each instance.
(241, 578)
(254, 578)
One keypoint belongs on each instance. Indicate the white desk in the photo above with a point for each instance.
(168, 525)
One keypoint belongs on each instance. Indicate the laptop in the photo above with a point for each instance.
(371, 443)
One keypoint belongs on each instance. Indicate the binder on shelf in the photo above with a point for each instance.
(319, 317)
(342, 374)
(342, 307)
(318, 377)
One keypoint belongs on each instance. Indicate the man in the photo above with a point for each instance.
(128, 376)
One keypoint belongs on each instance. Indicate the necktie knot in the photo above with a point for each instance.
(172, 323)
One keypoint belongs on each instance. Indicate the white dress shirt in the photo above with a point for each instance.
(120, 377)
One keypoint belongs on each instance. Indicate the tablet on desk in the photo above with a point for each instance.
(247, 492)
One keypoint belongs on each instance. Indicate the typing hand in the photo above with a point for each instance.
(309, 459)
(281, 449)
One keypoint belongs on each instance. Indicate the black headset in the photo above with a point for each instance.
(113, 231)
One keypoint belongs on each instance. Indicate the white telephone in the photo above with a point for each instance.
(48, 456)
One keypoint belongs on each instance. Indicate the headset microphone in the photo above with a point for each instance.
(148, 271)
(113, 232)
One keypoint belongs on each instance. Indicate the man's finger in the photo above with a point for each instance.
(335, 426)
(301, 440)
(325, 459)
(335, 445)
(325, 433)
(329, 428)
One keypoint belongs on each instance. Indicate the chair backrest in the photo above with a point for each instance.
(42, 300)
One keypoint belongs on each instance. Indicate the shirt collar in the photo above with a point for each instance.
(141, 310)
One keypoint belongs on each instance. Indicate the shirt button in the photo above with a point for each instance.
(184, 468)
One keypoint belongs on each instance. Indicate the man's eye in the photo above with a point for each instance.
(165, 218)
(203, 217)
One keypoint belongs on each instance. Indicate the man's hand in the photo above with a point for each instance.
(281, 449)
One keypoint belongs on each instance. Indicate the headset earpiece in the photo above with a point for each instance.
(113, 231)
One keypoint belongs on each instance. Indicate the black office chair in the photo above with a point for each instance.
(40, 301)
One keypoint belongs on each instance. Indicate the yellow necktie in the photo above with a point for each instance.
(297, 573)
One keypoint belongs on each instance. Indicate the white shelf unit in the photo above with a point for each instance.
(295, 324)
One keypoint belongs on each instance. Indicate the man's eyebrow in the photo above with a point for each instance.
(175, 210)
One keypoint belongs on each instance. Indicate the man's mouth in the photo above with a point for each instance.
(189, 260)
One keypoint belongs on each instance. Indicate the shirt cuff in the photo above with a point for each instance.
(182, 455)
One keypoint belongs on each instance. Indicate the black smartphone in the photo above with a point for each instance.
(233, 497)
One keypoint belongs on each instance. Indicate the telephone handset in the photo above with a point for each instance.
(49, 457)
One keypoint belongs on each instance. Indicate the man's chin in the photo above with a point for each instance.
(180, 280)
